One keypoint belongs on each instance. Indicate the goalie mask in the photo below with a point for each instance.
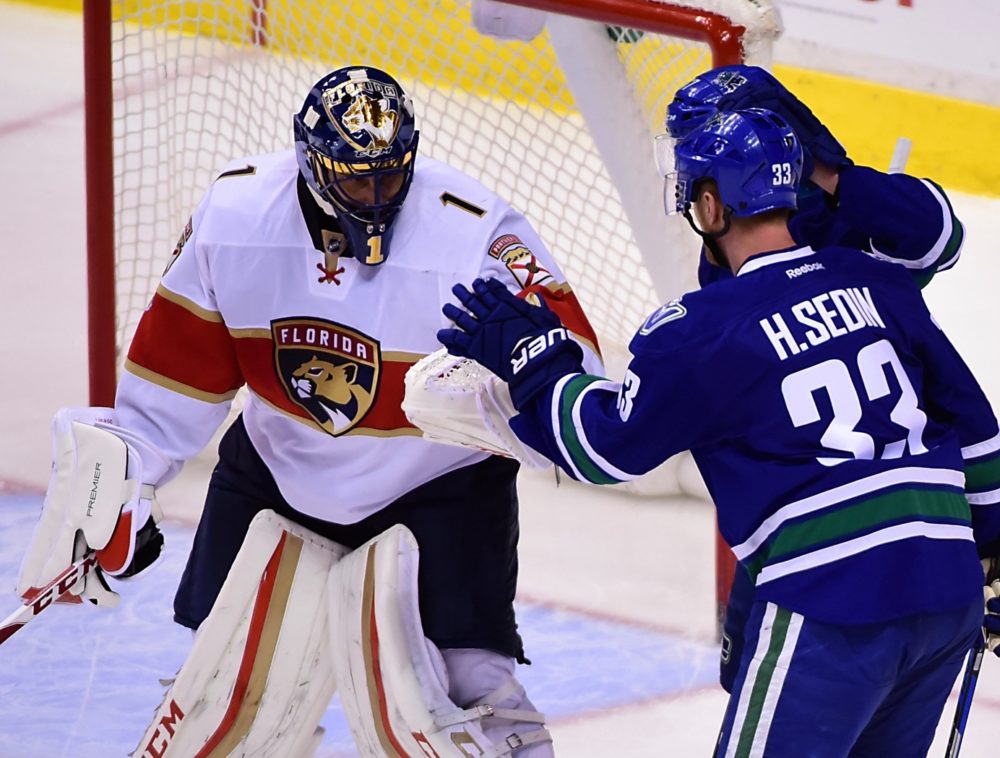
(356, 144)
(753, 156)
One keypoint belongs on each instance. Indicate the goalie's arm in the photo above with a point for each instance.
(182, 371)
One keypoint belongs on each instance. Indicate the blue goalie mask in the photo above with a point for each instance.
(752, 155)
(356, 143)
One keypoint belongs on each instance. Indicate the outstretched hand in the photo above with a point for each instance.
(523, 344)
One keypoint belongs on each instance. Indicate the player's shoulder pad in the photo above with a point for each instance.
(246, 192)
(854, 262)
(693, 317)
(454, 197)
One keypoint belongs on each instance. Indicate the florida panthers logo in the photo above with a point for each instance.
(367, 113)
(328, 370)
(372, 117)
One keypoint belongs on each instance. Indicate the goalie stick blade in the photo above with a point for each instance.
(7, 630)
(47, 596)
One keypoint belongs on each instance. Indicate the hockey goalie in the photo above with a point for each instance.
(339, 548)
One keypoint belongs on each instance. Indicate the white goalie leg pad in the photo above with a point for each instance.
(392, 680)
(95, 485)
(458, 402)
(260, 673)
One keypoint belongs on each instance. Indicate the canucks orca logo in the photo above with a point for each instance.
(366, 113)
(328, 370)
(663, 315)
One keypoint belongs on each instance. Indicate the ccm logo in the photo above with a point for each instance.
(164, 732)
(535, 346)
(43, 598)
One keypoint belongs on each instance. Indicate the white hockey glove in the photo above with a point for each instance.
(991, 597)
(96, 500)
(458, 402)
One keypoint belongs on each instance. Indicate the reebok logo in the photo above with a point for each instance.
(805, 268)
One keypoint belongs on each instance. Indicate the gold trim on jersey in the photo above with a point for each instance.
(174, 386)
(252, 332)
(189, 305)
(401, 356)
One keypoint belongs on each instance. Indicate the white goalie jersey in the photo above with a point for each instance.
(258, 293)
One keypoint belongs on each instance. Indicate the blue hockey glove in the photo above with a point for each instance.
(762, 90)
(523, 344)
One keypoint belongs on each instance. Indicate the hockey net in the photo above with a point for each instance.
(559, 125)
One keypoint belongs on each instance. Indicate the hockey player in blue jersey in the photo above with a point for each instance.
(852, 457)
(895, 217)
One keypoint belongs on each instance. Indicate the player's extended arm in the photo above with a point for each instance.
(907, 220)
(586, 424)
(525, 345)
(98, 500)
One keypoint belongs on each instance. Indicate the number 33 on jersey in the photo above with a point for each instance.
(831, 419)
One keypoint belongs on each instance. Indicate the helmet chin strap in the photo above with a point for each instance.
(711, 239)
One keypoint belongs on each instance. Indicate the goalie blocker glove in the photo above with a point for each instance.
(739, 87)
(525, 345)
(98, 499)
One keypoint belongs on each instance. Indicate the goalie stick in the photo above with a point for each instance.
(48, 595)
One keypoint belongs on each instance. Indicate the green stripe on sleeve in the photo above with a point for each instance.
(569, 436)
(954, 243)
(983, 476)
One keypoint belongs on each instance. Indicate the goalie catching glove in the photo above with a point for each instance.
(96, 501)
(731, 88)
(525, 345)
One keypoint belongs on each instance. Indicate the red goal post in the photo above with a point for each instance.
(560, 125)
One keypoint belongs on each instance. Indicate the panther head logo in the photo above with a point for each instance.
(330, 372)
(372, 116)
(332, 386)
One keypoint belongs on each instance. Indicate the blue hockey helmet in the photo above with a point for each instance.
(753, 156)
(698, 100)
(356, 144)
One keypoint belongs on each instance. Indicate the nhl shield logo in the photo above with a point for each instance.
(327, 369)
